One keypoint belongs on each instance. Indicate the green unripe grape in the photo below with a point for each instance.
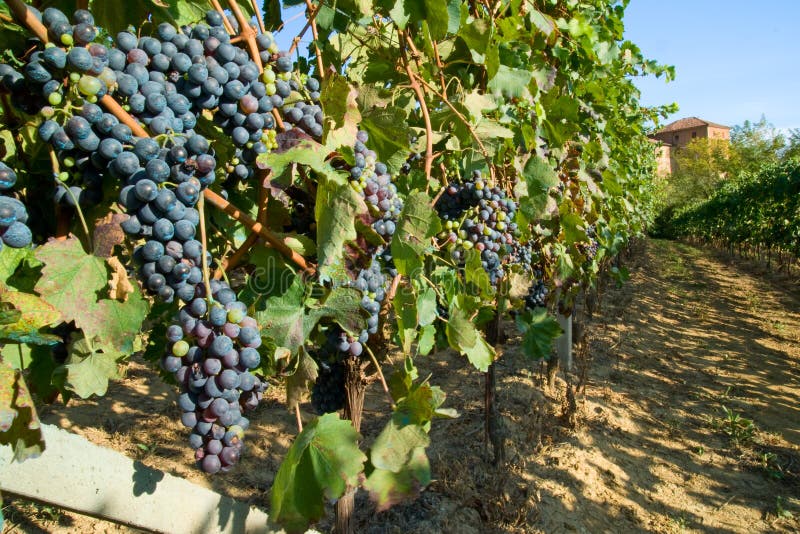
(49, 45)
(47, 112)
(268, 76)
(467, 245)
(273, 48)
(66, 39)
(74, 77)
(235, 316)
(501, 216)
(69, 162)
(92, 99)
(501, 225)
(180, 348)
(270, 88)
(63, 176)
(54, 98)
(249, 144)
(89, 85)
(235, 161)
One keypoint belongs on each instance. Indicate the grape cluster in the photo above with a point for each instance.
(537, 294)
(212, 350)
(14, 231)
(480, 217)
(371, 178)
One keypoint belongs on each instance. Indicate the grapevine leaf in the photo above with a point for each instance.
(465, 338)
(272, 15)
(426, 306)
(282, 318)
(418, 224)
(400, 14)
(29, 315)
(17, 355)
(401, 380)
(476, 275)
(19, 423)
(11, 259)
(337, 207)
(427, 339)
(388, 133)
(406, 317)
(387, 488)
(343, 305)
(302, 152)
(532, 192)
(573, 226)
(339, 105)
(539, 330)
(395, 443)
(510, 82)
(305, 373)
(87, 370)
(115, 323)
(70, 278)
(322, 462)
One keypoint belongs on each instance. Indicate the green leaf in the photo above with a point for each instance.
(108, 15)
(510, 82)
(29, 315)
(283, 317)
(476, 276)
(427, 339)
(337, 207)
(395, 443)
(71, 279)
(406, 317)
(532, 192)
(465, 338)
(539, 330)
(400, 14)
(437, 16)
(322, 462)
(19, 423)
(297, 383)
(338, 99)
(387, 488)
(418, 224)
(12, 258)
(343, 305)
(388, 133)
(426, 306)
(272, 15)
(116, 323)
(88, 370)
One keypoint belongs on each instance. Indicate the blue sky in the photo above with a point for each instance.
(734, 60)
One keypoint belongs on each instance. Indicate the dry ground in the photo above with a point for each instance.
(648, 446)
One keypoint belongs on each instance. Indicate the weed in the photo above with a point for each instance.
(770, 464)
(739, 429)
(780, 510)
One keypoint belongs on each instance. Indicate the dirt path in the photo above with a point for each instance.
(649, 448)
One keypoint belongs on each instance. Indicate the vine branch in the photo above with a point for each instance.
(417, 88)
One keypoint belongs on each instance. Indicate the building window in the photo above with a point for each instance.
(694, 134)
(677, 137)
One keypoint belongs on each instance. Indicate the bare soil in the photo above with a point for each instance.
(687, 420)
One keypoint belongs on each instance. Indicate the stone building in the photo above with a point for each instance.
(680, 133)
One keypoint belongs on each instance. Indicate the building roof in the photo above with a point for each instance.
(689, 122)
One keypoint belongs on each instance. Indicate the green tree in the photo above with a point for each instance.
(700, 168)
(754, 144)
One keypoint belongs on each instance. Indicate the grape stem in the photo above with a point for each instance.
(236, 258)
(225, 21)
(249, 34)
(417, 88)
(380, 376)
(255, 226)
(28, 19)
(204, 248)
(56, 172)
(297, 416)
(312, 14)
(259, 15)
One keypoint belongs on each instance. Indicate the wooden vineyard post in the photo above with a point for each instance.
(493, 435)
(355, 389)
